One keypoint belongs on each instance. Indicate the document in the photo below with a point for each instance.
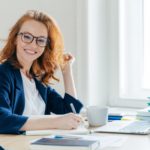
(79, 130)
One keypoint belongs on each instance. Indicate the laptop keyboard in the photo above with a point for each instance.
(136, 127)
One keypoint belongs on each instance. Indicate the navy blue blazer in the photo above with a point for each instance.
(12, 100)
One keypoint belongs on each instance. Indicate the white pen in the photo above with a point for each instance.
(74, 111)
(73, 108)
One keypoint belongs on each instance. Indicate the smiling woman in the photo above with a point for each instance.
(33, 52)
(28, 49)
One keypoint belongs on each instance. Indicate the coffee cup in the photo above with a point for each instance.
(97, 116)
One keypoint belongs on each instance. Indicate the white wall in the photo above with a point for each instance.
(84, 26)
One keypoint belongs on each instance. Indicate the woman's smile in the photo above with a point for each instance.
(30, 52)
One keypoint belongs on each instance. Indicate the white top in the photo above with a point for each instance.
(34, 104)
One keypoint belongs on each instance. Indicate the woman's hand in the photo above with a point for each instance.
(68, 121)
(68, 60)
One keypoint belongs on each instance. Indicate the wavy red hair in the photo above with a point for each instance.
(44, 67)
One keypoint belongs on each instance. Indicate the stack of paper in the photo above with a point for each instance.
(144, 112)
(79, 130)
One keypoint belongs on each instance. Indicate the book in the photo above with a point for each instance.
(144, 112)
(79, 130)
(121, 114)
(64, 144)
(144, 118)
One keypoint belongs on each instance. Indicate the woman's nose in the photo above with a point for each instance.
(34, 43)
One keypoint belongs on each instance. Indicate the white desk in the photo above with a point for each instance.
(133, 142)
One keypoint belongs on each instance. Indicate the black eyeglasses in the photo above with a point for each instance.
(28, 38)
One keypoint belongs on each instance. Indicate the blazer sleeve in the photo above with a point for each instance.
(61, 105)
(9, 122)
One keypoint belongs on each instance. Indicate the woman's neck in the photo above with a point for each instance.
(26, 73)
(26, 69)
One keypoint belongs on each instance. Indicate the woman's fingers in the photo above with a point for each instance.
(68, 58)
(68, 121)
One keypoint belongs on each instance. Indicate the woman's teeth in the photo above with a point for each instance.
(30, 51)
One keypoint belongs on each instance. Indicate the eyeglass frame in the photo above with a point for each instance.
(34, 37)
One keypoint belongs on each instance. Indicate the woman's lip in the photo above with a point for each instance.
(30, 51)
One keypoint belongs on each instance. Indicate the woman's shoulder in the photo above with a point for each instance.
(6, 67)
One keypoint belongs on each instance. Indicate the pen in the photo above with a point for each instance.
(73, 108)
(74, 111)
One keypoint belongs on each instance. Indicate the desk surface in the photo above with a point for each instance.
(21, 142)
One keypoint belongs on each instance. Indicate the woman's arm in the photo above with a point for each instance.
(55, 102)
(67, 73)
(68, 121)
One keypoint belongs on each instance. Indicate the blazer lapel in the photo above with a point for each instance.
(18, 85)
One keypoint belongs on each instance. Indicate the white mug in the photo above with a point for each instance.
(97, 116)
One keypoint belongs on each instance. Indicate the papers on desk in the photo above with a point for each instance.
(144, 112)
(111, 141)
(79, 130)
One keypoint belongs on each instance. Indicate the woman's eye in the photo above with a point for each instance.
(27, 37)
(42, 40)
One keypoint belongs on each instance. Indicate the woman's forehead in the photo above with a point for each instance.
(34, 27)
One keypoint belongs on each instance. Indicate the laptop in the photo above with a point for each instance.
(126, 127)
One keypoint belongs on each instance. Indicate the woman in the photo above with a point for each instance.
(33, 52)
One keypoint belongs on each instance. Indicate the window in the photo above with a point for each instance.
(146, 80)
(132, 78)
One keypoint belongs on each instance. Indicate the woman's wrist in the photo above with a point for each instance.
(53, 120)
(67, 70)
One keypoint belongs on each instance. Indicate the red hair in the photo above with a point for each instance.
(44, 67)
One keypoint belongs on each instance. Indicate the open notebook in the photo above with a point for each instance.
(80, 130)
